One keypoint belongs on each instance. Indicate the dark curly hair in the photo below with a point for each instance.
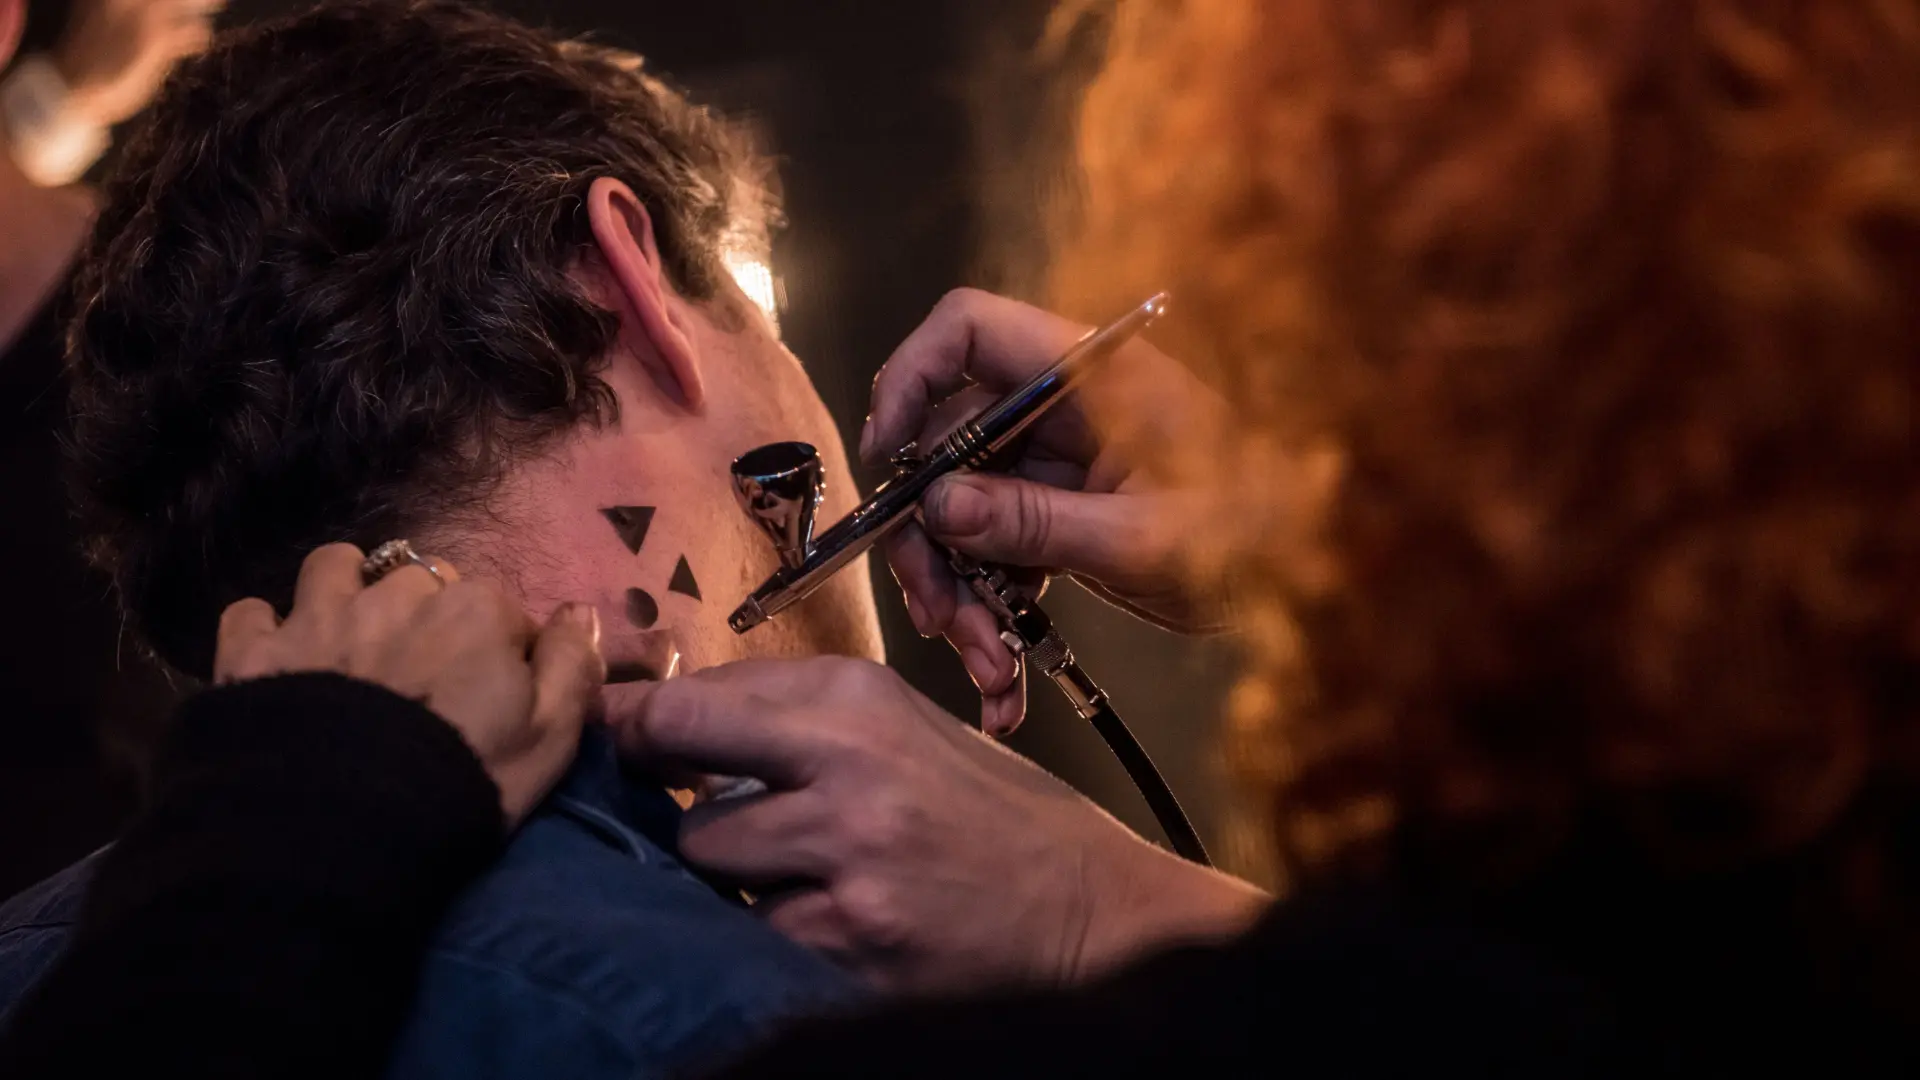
(329, 295)
(1590, 328)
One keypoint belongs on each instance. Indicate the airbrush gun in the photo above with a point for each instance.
(779, 486)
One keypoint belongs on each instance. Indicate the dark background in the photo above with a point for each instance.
(909, 134)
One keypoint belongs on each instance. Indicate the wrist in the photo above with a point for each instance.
(1152, 900)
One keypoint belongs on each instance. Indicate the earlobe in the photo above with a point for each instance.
(623, 230)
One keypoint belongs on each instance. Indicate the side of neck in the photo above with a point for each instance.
(46, 227)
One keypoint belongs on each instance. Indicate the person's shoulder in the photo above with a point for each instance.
(53, 902)
(1340, 966)
(34, 927)
(589, 928)
(1356, 986)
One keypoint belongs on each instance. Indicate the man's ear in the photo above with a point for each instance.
(13, 22)
(624, 232)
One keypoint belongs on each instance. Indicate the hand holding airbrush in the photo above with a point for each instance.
(779, 487)
(1080, 498)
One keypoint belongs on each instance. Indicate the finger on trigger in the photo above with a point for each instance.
(243, 622)
(976, 634)
(567, 667)
(1002, 713)
(926, 366)
(926, 581)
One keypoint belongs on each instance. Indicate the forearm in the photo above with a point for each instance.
(267, 914)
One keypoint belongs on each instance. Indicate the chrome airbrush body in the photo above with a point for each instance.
(772, 483)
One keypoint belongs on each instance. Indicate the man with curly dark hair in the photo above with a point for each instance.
(387, 270)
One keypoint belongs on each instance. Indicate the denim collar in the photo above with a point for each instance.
(632, 815)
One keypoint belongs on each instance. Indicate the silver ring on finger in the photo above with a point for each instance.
(393, 555)
(426, 564)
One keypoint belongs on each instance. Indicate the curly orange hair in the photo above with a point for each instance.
(1601, 319)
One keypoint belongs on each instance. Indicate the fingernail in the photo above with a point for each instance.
(914, 615)
(582, 616)
(991, 721)
(956, 508)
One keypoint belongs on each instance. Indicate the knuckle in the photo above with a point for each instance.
(854, 678)
(255, 659)
(788, 919)
(698, 840)
(1032, 518)
(233, 614)
(367, 654)
(331, 554)
(812, 919)
(874, 909)
(853, 755)
(960, 302)
(878, 826)
(383, 602)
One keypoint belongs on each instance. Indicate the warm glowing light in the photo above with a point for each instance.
(755, 278)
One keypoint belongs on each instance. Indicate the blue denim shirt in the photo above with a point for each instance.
(589, 951)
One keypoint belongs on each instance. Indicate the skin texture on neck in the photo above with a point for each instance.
(44, 228)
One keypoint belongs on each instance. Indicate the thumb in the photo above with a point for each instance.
(567, 669)
(1019, 522)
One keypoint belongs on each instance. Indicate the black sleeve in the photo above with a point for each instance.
(268, 913)
(1343, 992)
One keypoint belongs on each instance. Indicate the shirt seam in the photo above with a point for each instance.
(25, 927)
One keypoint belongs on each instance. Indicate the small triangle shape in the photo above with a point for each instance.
(631, 523)
(683, 580)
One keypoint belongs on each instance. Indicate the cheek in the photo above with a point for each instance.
(795, 411)
(696, 565)
(594, 578)
(812, 424)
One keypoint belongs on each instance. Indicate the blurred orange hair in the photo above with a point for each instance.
(1597, 322)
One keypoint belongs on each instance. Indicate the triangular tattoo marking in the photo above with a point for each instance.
(631, 523)
(683, 580)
